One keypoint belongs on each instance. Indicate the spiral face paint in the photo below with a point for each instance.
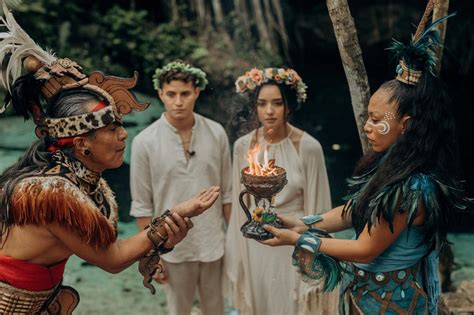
(382, 127)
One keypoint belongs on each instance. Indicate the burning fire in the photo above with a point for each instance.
(255, 168)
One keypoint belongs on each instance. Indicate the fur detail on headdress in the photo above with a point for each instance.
(46, 200)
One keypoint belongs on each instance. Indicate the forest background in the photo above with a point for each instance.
(228, 37)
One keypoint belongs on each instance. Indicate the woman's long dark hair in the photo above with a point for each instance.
(428, 144)
(244, 109)
(66, 104)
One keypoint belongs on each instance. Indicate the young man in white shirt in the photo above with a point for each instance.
(174, 158)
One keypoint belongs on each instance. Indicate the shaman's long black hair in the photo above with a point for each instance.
(66, 104)
(428, 146)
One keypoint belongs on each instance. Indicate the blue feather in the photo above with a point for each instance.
(430, 27)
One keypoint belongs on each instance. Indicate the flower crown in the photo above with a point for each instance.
(178, 66)
(256, 77)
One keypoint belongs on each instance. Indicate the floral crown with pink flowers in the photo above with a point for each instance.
(256, 77)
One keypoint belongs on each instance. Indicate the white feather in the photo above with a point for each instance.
(19, 45)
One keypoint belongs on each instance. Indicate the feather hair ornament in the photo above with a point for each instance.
(16, 45)
(15, 48)
(419, 56)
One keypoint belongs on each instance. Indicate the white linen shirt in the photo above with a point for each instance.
(161, 178)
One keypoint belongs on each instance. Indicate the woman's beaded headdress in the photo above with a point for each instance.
(419, 56)
(256, 77)
(49, 77)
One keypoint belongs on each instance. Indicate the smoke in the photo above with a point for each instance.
(243, 117)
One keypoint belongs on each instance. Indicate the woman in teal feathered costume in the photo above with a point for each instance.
(401, 195)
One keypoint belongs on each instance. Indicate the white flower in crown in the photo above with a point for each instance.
(268, 73)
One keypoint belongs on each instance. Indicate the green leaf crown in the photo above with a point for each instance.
(180, 67)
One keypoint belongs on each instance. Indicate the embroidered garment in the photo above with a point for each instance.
(396, 277)
(261, 278)
(16, 301)
(395, 292)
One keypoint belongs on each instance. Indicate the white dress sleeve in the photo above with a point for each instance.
(226, 170)
(317, 195)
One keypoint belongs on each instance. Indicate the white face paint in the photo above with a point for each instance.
(382, 127)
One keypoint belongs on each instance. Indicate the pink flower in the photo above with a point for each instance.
(295, 75)
(256, 75)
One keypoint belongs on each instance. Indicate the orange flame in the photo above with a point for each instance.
(255, 168)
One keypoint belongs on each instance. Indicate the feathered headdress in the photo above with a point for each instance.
(419, 56)
(48, 76)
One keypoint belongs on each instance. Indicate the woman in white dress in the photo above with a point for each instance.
(261, 279)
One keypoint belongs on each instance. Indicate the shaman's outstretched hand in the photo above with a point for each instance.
(198, 204)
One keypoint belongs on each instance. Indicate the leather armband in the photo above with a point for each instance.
(156, 229)
(157, 234)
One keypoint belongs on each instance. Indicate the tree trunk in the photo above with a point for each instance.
(218, 14)
(261, 26)
(282, 28)
(441, 9)
(241, 11)
(351, 56)
(174, 11)
(270, 22)
(202, 16)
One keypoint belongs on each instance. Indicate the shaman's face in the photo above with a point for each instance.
(383, 126)
(106, 146)
(179, 98)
